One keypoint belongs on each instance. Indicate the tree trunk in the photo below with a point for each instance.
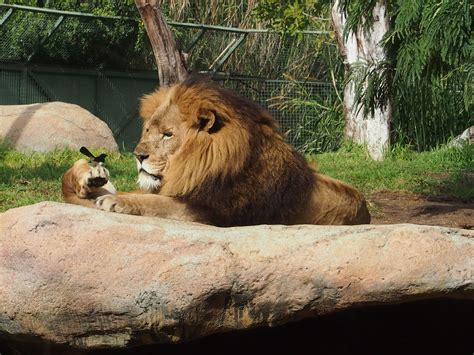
(170, 63)
(362, 47)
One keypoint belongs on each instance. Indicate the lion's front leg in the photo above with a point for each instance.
(120, 204)
(83, 183)
(149, 205)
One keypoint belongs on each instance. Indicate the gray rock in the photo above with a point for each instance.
(86, 278)
(466, 137)
(47, 126)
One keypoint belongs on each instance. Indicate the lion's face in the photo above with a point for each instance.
(173, 117)
(194, 134)
(162, 135)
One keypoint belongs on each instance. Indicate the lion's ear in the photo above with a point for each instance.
(206, 120)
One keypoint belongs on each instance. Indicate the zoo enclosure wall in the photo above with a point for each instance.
(105, 64)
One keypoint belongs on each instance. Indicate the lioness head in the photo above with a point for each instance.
(194, 132)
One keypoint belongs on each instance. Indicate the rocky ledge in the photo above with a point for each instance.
(90, 279)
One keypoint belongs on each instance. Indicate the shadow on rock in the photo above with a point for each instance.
(424, 327)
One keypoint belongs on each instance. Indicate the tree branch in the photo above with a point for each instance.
(170, 63)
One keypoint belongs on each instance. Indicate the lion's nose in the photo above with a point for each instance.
(141, 157)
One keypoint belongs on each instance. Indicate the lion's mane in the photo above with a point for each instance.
(243, 171)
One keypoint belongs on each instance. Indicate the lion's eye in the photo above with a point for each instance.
(167, 135)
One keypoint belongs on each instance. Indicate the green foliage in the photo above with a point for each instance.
(289, 17)
(320, 127)
(440, 41)
(429, 71)
(360, 13)
(321, 124)
(78, 41)
(116, 44)
(377, 82)
(124, 8)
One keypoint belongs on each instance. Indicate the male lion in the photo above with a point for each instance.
(208, 155)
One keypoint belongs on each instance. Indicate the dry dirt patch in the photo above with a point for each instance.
(400, 207)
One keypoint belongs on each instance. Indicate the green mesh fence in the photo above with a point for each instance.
(105, 64)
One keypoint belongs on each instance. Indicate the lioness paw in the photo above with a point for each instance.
(114, 203)
(96, 176)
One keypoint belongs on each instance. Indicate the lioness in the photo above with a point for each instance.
(209, 155)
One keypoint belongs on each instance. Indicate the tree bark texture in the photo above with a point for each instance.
(170, 63)
(357, 48)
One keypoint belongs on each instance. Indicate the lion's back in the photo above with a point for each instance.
(335, 202)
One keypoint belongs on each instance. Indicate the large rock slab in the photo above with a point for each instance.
(47, 126)
(86, 278)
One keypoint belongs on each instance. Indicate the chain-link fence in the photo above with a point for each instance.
(105, 64)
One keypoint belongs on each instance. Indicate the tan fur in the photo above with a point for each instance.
(211, 156)
(74, 184)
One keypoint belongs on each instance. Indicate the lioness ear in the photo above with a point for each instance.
(206, 120)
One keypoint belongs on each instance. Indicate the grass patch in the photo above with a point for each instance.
(27, 179)
(444, 172)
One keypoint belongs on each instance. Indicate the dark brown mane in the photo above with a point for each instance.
(246, 163)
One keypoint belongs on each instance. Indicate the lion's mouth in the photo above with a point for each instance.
(153, 176)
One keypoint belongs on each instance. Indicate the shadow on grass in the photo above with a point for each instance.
(46, 171)
(435, 209)
(443, 174)
(27, 179)
(448, 187)
(30, 178)
(53, 165)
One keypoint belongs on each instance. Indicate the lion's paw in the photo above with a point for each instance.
(113, 203)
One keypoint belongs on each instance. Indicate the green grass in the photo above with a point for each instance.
(443, 172)
(27, 179)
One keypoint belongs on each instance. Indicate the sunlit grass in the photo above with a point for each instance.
(445, 172)
(27, 179)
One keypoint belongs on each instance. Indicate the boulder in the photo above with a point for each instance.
(91, 279)
(466, 137)
(47, 126)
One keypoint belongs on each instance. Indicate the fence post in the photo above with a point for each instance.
(23, 85)
(226, 53)
(6, 17)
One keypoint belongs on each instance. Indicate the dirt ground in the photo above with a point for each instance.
(399, 207)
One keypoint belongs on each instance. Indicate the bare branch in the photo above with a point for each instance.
(170, 63)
